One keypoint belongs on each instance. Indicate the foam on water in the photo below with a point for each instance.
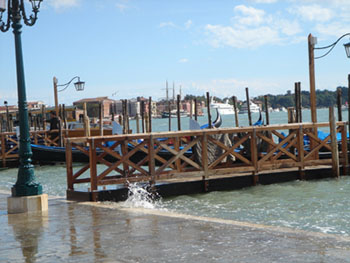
(140, 197)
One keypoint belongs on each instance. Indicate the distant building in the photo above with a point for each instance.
(35, 105)
(146, 105)
(93, 105)
(133, 107)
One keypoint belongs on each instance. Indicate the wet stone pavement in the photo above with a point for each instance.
(88, 232)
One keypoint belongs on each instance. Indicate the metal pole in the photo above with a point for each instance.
(25, 184)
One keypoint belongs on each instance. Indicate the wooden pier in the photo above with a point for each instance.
(254, 152)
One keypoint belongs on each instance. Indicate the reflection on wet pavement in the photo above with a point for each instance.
(74, 232)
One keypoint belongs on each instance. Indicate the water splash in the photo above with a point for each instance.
(139, 196)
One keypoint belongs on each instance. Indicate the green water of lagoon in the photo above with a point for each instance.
(321, 205)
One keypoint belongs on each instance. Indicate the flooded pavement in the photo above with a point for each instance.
(89, 232)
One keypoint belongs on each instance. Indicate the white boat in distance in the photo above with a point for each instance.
(254, 108)
(223, 108)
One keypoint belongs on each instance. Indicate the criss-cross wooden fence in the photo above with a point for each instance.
(9, 144)
(150, 157)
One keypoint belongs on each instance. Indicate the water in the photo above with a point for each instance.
(229, 120)
(139, 197)
(320, 206)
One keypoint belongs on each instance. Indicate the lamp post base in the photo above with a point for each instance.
(19, 190)
(25, 204)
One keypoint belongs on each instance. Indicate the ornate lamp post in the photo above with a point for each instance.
(79, 86)
(312, 41)
(15, 9)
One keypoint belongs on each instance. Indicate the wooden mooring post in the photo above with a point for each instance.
(334, 143)
(150, 114)
(178, 113)
(267, 110)
(195, 110)
(169, 117)
(339, 104)
(298, 111)
(101, 117)
(248, 107)
(208, 108)
(137, 119)
(348, 103)
(143, 116)
(127, 117)
(234, 100)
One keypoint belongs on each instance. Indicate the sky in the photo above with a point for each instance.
(128, 48)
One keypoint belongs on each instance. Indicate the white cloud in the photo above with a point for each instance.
(287, 27)
(62, 4)
(249, 15)
(335, 29)
(229, 87)
(264, 1)
(313, 12)
(167, 24)
(241, 37)
(183, 60)
(188, 24)
(122, 5)
(251, 27)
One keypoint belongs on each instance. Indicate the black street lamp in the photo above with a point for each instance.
(79, 86)
(15, 9)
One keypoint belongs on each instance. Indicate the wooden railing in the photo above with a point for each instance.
(9, 144)
(150, 157)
